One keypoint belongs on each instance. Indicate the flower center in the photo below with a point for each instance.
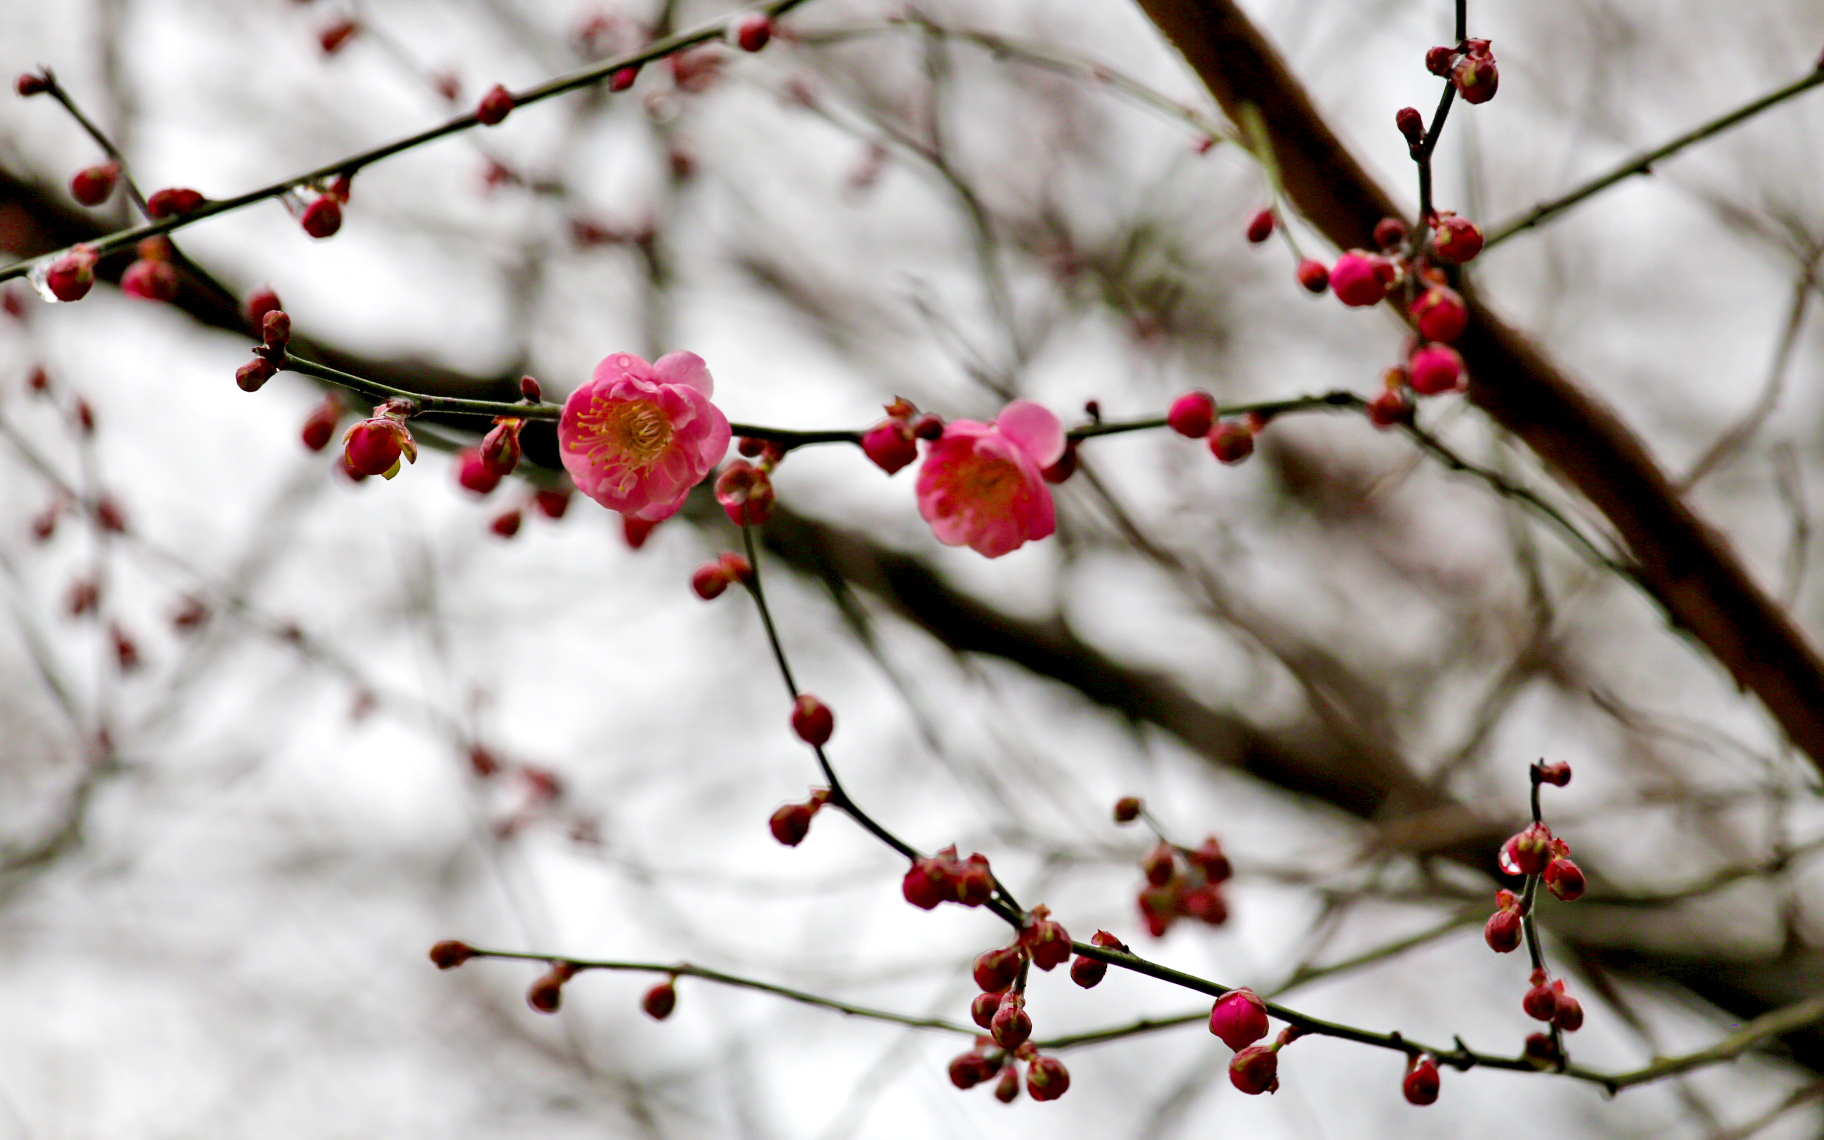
(634, 432)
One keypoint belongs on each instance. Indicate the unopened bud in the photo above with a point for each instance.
(1127, 809)
(495, 106)
(450, 954)
(1232, 441)
(92, 185)
(1046, 1078)
(1192, 415)
(995, 970)
(1260, 226)
(322, 218)
(1255, 1070)
(660, 1000)
(1421, 1083)
(812, 720)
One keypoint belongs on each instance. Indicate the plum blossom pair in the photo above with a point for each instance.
(639, 436)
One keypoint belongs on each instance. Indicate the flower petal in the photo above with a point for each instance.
(1036, 430)
(687, 369)
(623, 366)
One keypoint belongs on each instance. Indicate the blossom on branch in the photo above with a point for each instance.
(982, 485)
(639, 436)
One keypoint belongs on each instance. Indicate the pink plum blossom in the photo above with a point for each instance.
(981, 484)
(639, 436)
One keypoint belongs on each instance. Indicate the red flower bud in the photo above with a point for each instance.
(635, 532)
(1232, 441)
(547, 993)
(1088, 972)
(1389, 233)
(1011, 1025)
(1313, 275)
(263, 302)
(929, 426)
(1440, 314)
(1476, 77)
(1255, 1070)
(529, 390)
(71, 276)
(552, 504)
(890, 445)
(660, 1000)
(322, 218)
(173, 201)
(1502, 933)
(1159, 865)
(1421, 1083)
(983, 1009)
(1567, 1014)
(1260, 226)
(736, 567)
(92, 185)
(812, 720)
(450, 954)
(1439, 59)
(1435, 369)
(374, 446)
(745, 492)
(1389, 408)
(792, 823)
(974, 882)
(1411, 125)
(1564, 879)
(1455, 240)
(1007, 1089)
(1046, 1079)
(1356, 280)
(149, 280)
(1127, 809)
(507, 523)
(970, 1069)
(473, 474)
(923, 885)
(29, 84)
(1239, 1017)
(1205, 904)
(753, 32)
(494, 106)
(1527, 852)
(1558, 775)
(1045, 939)
(709, 581)
(252, 376)
(995, 970)
(623, 79)
(332, 38)
(1540, 1002)
(1540, 1051)
(1192, 415)
(1208, 858)
(500, 448)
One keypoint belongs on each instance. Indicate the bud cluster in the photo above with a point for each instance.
(1195, 416)
(893, 442)
(1183, 882)
(1046, 1076)
(945, 878)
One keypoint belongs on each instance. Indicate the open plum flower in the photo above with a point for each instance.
(639, 436)
(981, 484)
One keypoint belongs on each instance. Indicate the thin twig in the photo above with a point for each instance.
(349, 166)
(1643, 163)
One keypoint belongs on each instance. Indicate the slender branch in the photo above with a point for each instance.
(839, 795)
(686, 970)
(1778, 1023)
(1643, 163)
(353, 163)
(1039, 55)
